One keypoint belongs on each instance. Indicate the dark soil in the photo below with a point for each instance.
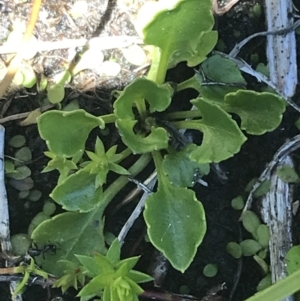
(240, 276)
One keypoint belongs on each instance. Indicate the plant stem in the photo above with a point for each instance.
(154, 64)
(109, 118)
(159, 66)
(158, 166)
(141, 107)
(125, 153)
(183, 115)
(192, 125)
(279, 290)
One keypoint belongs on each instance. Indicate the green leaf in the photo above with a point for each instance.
(73, 233)
(293, 260)
(134, 286)
(118, 169)
(114, 252)
(263, 69)
(95, 286)
(262, 254)
(159, 98)
(250, 247)
(106, 294)
(130, 262)
(62, 164)
(262, 189)
(288, 174)
(55, 93)
(250, 221)
(122, 270)
(17, 141)
(222, 70)
(222, 138)
(99, 147)
(175, 218)
(9, 166)
(206, 44)
(123, 289)
(90, 264)
(177, 28)
(237, 203)
(234, 249)
(259, 112)
(139, 277)
(263, 235)
(66, 132)
(215, 93)
(78, 192)
(263, 265)
(210, 270)
(180, 169)
(156, 140)
(73, 274)
(104, 264)
(264, 283)
(20, 173)
(93, 156)
(111, 154)
(100, 178)
(23, 154)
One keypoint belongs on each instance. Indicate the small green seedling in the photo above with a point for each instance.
(210, 270)
(112, 279)
(288, 174)
(237, 203)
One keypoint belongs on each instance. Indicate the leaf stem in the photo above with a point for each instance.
(188, 124)
(125, 153)
(141, 107)
(109, 118)
(158, 160)
(183, 115)
(159, 66)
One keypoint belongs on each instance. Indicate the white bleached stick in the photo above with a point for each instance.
(281, 49)
(4, 214)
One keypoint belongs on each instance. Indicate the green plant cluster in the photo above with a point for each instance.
(17, 170)
(111, 279)
(179, 31)
(256, 247)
